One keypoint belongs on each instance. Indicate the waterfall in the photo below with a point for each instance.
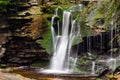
(111, 44)
(63, 43)
(58, 59)
(112, 61)
(111, 39)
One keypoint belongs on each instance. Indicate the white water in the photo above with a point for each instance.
(93, 67)
(55, 36)
(111, 44)
(62, 43)
(57, 62)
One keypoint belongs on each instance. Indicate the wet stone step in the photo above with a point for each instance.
(25, 61)
(26, 55)
(15, 54)
(22, 50)
(33, 51)
(10, 53)
(3, 38)
(14, 59)
(23, 7)
(15, 43)
(12, 20)
(21, 62)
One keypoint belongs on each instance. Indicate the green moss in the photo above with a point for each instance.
(46, 42)
(48, 9)
(3, 5)
(3, 65)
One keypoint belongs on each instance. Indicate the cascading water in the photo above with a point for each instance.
(53, 30)
(62, 43)
(112, 62)
(58, 59)
(63, 60)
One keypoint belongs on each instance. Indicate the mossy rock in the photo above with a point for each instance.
(49, 9)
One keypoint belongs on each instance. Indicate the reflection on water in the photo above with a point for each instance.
(33, 74)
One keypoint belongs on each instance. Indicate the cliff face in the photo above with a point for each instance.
(20, 29)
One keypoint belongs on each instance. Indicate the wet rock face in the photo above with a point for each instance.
(3, 40)
(27, 21)
(99, 43)
(22, 51)
(17, 39)
(3, 34)
(3, 23)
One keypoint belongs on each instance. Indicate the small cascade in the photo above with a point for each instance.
(55, 29)
(112, 40)
(93, 67)
(112, 63)
(111, 44)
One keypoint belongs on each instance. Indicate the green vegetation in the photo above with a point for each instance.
(109, 11)
(62, 1)
(4, 4)
(47, 39)
(46, 42)
(103, 9)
